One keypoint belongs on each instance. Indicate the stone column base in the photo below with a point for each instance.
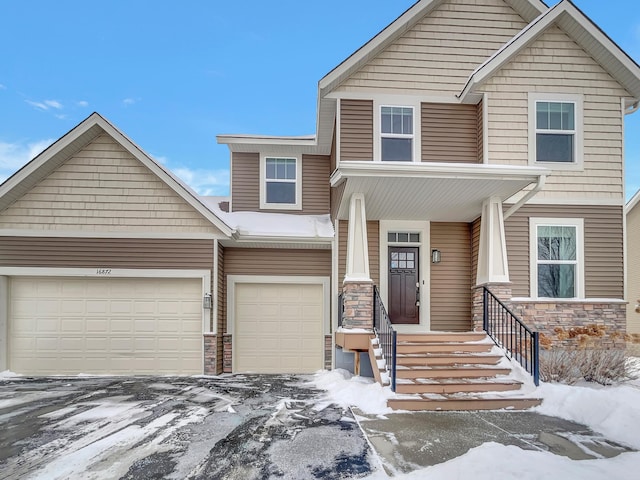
(358, 305)
(501, 290)
(210, 354)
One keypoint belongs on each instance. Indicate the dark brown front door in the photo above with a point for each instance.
(403, 285)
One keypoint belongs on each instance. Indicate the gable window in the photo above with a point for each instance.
(557, 258)
(396, 134)
(280, 183)
(556, 130)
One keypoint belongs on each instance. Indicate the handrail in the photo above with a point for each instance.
(511, 334)
(386, 334)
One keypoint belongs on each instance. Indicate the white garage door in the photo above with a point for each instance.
(278, 328)
(105, 325)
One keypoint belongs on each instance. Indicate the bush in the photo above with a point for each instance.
(558, 366)
(593, 365)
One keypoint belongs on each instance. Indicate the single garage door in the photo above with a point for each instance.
(278, 328)
(105, 325)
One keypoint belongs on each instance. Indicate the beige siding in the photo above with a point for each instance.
(440, 52)
(245, 184)
(373, 239)
(603, 247)
(336, 198)
(480, 124)
(222, 308)
(475, 248)
(105, 253)
(103, 188)
(556, 64)
(356, 129)
(633, 275)
(451, 278)
(273, 261)
(449, 133)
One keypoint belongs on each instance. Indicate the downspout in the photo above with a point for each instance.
(515, 207)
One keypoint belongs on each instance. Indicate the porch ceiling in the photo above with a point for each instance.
(428, 191)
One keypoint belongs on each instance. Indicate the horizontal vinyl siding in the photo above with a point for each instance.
(356, 130)
(449, 133)
(222, 308)
(439, 53)
(315, 184)
(633, 252)
(480, 123)
(373, 239)
(451, 278)
(274, 261)
(336, 198)
(556, 64)
(603, 247)
(105, 253)
(475, 248)
(245, 182)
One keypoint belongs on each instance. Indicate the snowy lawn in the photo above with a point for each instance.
(612, 411)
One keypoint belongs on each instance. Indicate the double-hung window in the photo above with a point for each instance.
(280, 183)
(396, 134)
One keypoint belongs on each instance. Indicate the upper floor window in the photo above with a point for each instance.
(280, 183)
(396, 134)
(556, 130)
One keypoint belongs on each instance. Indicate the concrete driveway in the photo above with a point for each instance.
(232, 427)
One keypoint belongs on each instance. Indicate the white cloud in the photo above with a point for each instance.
(13, 156)
(129, 101)
(46, 104)
(205, 182)
(82, 103)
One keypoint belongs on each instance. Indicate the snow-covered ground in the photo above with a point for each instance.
(613, 411)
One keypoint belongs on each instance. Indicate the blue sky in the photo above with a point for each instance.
(173, 75)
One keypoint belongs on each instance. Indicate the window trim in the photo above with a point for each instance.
(401, 102)
(534, 223)
(577, 100)
(263, 184)
(382, 135)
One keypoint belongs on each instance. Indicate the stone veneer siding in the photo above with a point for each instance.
(210, 354)
(227, 353)
(328, 347)
(358, 305)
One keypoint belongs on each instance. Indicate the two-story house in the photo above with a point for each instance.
(469, 144)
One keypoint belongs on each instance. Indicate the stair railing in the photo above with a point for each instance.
(386, 334)
(511, 334)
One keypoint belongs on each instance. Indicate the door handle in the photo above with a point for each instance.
(417, 294)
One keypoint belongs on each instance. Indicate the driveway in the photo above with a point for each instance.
(232, 427)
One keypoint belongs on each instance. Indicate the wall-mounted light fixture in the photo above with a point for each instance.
(207, 301)
(435, 256)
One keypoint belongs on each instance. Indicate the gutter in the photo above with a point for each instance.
(514, 208)
(633, 108)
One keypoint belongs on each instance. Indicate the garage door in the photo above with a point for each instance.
(278, 328)
(105, 326)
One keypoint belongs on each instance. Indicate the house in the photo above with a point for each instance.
(470, 145)
(632, 212)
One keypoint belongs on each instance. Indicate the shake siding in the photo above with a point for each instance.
(356, 130)
(440, 52)
(373, 239)
(556, 64)
(633, 275)
(274, 261)
(245, 184)
(451, 278)
(105, 253)
(603, 247)
(103, 188)
(449, 133)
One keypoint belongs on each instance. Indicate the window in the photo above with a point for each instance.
(556, 130)
(280, 183)
(403, 237)
(396, 134)
(557, 247)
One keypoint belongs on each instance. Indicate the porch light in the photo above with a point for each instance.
(207, 301)
(435, 256)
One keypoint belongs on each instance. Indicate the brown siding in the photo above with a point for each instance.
(105, 252)
(315, 185)
(480, 123)
(356, 130)
(603, 247)
(336, 198)
(475, 248)
(449, 133)
(451, 278)
(274, 261)
(222, 307)
(245, 182)
(373, 239)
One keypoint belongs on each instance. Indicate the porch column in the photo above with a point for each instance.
(357, 287)
(4, 322)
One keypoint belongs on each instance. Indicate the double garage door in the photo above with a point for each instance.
(66, 325)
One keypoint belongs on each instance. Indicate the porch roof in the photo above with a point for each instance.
(428, 191)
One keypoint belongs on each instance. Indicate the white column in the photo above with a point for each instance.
(4, 322)
(492, 254)
(357, 245)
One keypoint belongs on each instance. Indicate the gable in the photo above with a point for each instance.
(104, 188)
(439, 53)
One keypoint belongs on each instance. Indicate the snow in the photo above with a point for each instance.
(8, 374)
(352, 391)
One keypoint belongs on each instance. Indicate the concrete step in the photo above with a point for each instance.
(442, 337)
(446, 402)
(453, 386)
(446, 347)
(478, 358)
(467, 371)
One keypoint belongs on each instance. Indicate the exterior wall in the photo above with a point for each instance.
(373, 240)
(440, 52)
(103, 188)
(451, 278)
(603, 247)
(356, 129)
(449, 133)
(556, 64)
(475, 248)
(480, 126)
(222, 308)
(336, 198)
(245, 184)
(277, 261)
(633, 270)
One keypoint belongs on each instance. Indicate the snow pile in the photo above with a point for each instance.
(347, 390)
(9, 374)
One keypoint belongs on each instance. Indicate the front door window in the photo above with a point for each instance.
(404, 291)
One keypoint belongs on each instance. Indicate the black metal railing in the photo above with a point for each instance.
(387, 336)
(340, 310)
(510, 334)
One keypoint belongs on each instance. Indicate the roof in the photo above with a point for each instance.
(579, 27)
(635, 200)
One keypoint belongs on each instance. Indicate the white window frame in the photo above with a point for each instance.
(401, 102)
(577, 100)
(578, 223)
(263, 184)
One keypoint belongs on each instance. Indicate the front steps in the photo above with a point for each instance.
(450, 371)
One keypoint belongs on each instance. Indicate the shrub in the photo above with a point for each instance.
(558, 366)
(602, 366)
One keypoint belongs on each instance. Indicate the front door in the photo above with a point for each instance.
(404, 293)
